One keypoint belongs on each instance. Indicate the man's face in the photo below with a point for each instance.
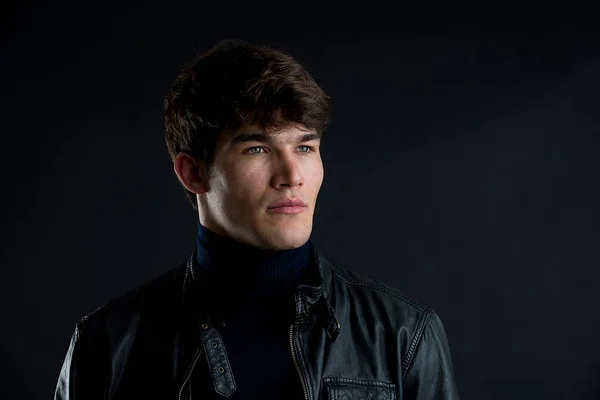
(251, 173)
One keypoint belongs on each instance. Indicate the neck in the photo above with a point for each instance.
(232, 264)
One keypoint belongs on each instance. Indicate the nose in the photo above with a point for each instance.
(288, 175)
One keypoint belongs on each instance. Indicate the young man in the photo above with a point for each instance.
(256, 312)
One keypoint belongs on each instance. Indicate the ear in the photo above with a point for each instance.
(191, 173)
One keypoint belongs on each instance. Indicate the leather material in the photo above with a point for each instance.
(353, 338)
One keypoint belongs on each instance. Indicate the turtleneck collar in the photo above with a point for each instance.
(234, 266)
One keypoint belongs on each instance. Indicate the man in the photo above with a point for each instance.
(256, 312)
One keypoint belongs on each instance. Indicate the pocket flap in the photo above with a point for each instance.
(358, 389)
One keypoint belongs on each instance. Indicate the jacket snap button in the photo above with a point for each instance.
(221, 370)
(214, 345)
(204, 326)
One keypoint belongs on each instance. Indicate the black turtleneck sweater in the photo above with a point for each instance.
(254, 289)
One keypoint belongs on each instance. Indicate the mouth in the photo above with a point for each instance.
(288, 202)
(287, 209)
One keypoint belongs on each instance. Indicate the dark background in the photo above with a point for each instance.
(462, 167)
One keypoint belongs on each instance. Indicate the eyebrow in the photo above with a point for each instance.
(262, 137)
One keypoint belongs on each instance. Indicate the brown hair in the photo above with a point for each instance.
(237, 82)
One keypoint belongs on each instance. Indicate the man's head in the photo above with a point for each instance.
(243, 128)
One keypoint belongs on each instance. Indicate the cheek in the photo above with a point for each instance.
(316, 175)
(246, 187)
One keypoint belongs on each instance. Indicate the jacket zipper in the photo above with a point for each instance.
(296, 363)
(189, 371)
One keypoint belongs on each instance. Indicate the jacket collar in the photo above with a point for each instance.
(312, 298)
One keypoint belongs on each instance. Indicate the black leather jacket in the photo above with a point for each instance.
(354, 338)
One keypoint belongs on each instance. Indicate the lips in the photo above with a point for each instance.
(288, 202)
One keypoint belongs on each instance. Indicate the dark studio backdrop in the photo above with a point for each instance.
(462, 166)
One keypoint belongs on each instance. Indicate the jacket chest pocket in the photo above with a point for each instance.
(357, 389)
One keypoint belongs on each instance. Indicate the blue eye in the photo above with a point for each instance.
(308, 147)
(251, 148)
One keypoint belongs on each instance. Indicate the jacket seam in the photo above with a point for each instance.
(406, 363)
(381, 289)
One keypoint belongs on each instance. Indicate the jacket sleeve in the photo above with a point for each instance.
(429, 374)
(81, 375)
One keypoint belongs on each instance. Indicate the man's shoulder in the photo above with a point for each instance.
(375, 290)
(159, 292)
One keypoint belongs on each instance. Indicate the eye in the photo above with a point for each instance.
(252, 148)
(308, 147)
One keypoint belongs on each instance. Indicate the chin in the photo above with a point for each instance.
(289, 241)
